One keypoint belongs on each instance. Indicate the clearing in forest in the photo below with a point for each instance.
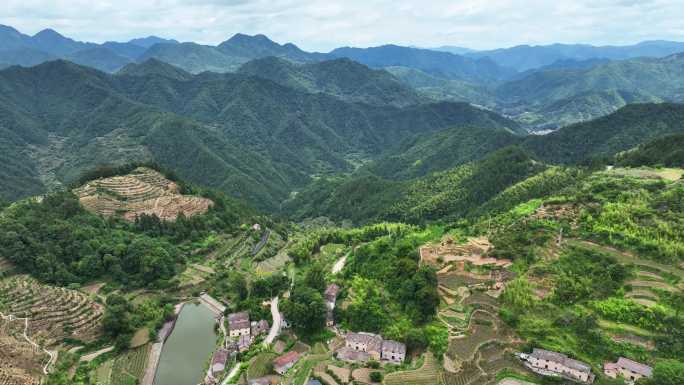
(447, 252)
(143, 191)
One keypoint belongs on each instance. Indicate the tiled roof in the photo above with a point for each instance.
(349, 354)
(286, 358)
(561, 359)
(372, 341)
(635, 367)
(394, 346)
(547, 355)
(577, 365)
(238, 320)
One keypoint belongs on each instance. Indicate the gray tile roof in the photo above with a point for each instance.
(635, 367)
(394, 347)
(560, 358)
(238, 321)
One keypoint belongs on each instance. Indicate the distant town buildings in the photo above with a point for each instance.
(362, 347)
(283, 363)
(630, 370)
(238, 324)
(550, 363)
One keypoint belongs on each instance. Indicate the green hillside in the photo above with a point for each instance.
(604, 137)
(243, 134)
(342, 78)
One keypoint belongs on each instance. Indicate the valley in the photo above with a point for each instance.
(249, 212)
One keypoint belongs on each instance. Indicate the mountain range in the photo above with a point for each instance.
(541, 87)
(244, 134)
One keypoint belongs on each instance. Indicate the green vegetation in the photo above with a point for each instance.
(667, 151)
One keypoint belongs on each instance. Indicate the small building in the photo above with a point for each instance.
(238, 324)
(365, 342)
(283, 322)
(218, 361)
(552, 363)
(259, 328)
(329, 318)
(232, 348)
(244, 342)
(283, 363)
(630, 370)
(393, 351)
(331, 295)
(260, 381)
(350, 355)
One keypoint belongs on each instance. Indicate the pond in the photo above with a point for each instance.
(188, 348)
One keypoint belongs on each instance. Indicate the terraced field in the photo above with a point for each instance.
(20, 362)
(125, 369)
(54, 312)
(143, 191)
(428, 374)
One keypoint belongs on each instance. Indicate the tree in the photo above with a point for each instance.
(315, 278)
(667, 372)
(116, 321)
(376, 376)
(305, 310)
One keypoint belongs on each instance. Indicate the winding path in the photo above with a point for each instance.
(339, 265)
(277, 322)
(52, 354)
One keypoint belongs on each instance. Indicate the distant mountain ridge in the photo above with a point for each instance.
(243, 134)
(526, 57)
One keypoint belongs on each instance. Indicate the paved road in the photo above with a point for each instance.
(276, 326)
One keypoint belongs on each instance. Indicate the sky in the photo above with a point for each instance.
(321, 25)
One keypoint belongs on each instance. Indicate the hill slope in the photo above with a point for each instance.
(242, 134)
(342, 78)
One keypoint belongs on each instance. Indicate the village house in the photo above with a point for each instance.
(365, 342)
(259, 328)
(552, 363)
(218, 362)
(393, 351)
(283, 363)
(238, 324)
(331, 295)
(630, 370)
(244, 342)
(362, 347)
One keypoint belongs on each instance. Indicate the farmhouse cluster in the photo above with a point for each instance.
(548, 363)
(363, 347)
(242, 334)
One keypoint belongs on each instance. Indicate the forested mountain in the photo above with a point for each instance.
(447, 194)
(665, 151)
(606, 136)
(439, 174)
(342, 78)
(442, 64)
(20, 49)
(525, 57)
(243, 134)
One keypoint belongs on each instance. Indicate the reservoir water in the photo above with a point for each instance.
(188, 348)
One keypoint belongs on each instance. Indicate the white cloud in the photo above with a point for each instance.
(325, 24)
